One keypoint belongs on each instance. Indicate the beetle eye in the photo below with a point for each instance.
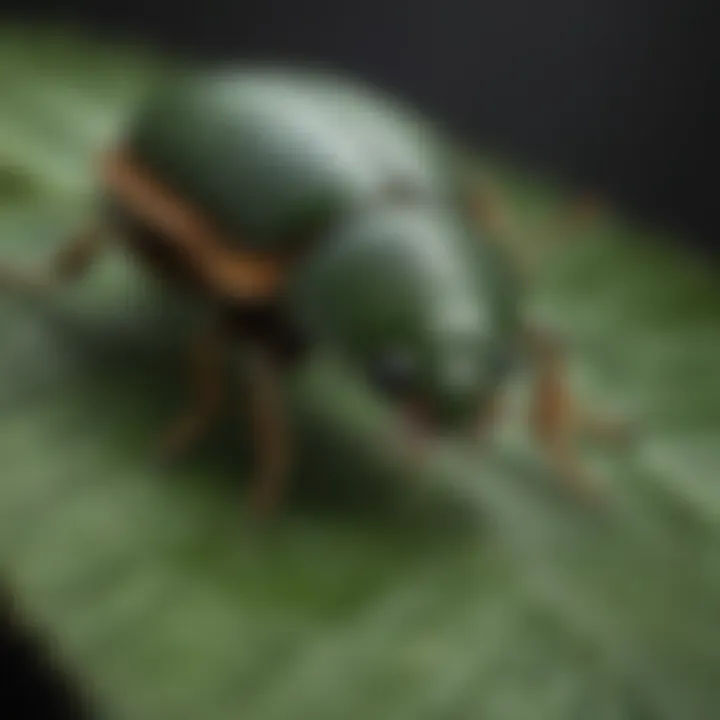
(394, 373)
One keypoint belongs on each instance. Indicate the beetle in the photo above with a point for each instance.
(302, 209)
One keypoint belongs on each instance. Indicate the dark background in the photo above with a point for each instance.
(31, 684)
(612, 95)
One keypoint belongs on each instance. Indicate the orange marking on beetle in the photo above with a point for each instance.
(234, 274)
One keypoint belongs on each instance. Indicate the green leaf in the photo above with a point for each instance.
(470, 590)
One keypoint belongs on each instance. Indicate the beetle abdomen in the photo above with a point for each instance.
(269, 155)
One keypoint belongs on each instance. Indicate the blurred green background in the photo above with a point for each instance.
(472, 591)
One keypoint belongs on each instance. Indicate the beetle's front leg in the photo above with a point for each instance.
(557, 418)
(206, 393)
(272, 436)
(492, 212)
(70, 263)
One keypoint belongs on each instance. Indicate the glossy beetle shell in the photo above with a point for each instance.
(273, 158)
(266, 153)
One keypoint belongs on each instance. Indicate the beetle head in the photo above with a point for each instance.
(403, 297)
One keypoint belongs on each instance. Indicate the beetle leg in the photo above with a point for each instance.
(492, 212)
(221, 266)
(554, 416)
(206, 380)
(71, 263)
(271, 432)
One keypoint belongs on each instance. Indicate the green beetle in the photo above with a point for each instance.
(306, 210)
